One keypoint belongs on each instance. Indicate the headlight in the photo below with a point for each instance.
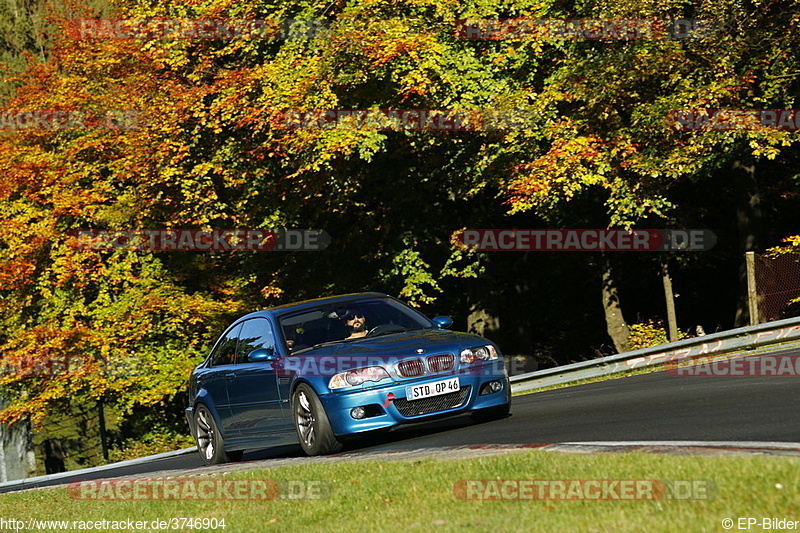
(478, 353)
(357, 376)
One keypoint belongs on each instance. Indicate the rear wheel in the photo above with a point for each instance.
(209, 440)
(313, 428)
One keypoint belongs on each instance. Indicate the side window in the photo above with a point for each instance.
(224, 352)
(256, 333)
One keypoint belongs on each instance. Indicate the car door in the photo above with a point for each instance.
(214, 379)
(253, 388)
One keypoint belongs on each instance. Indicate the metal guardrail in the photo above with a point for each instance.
(747, 338)
(17, 484)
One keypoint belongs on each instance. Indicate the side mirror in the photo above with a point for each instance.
(262, 354)
(443, 322)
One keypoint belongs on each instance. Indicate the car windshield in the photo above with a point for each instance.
(331, 324)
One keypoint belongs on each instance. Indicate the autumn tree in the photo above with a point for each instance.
(200, 139)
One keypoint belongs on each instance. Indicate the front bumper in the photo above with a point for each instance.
(389, 407)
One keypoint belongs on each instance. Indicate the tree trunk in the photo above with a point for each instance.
(672, 321)
(748, 213)
(481, 321)
(101, 420)
(3, 473)
(615, 323)
(53, 457)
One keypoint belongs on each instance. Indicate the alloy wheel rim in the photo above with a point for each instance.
(305, 418)
(205, 434)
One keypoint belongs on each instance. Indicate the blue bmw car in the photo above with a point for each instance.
(322, 371)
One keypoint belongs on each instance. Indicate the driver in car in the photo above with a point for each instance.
(356, 323)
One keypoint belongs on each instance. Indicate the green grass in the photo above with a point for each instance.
(418, 496)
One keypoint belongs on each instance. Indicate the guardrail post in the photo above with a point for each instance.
(752, 291)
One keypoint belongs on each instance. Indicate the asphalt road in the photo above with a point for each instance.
(649, 407)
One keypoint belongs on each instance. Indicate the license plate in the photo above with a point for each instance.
(437, 388)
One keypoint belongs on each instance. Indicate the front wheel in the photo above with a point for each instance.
(311, 421)
(209, 439)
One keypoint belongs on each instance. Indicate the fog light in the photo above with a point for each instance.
(491, 387)
(358, 413)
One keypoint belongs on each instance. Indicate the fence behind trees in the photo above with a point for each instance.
(774, 286)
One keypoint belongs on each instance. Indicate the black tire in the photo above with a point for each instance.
(311, 422)
(209, 440)
(491, 413)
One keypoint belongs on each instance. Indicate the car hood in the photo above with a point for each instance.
(400, 345)
(319, 364)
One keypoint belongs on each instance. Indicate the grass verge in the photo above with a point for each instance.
(419, 496)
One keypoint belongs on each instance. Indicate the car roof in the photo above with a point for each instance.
(305, 304)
